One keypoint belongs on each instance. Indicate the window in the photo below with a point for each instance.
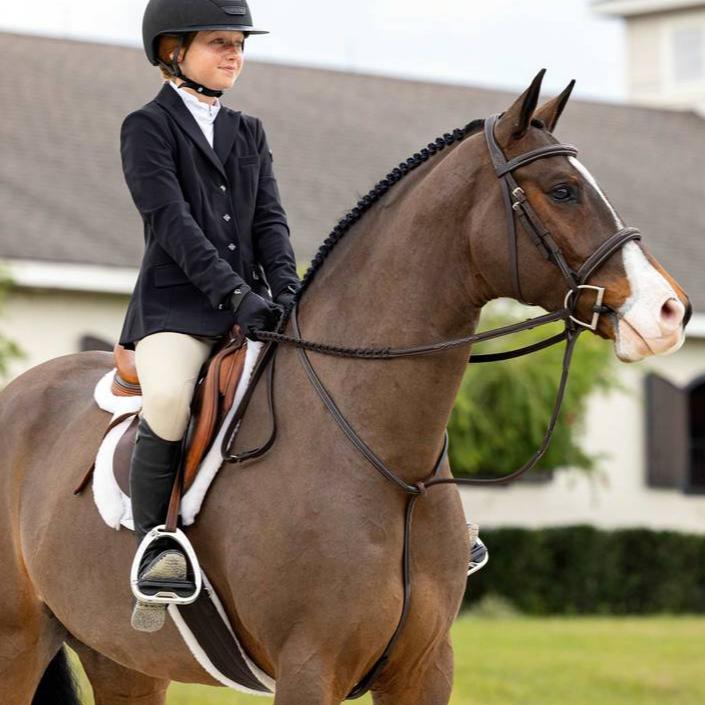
(687, 54)
(675, 434)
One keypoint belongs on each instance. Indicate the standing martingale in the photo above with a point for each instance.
(330, 588)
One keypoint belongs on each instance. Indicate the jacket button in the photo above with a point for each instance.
(226, 217)
(222, 187)
(232, 246)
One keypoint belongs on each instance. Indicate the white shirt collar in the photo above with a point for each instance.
(205, 112)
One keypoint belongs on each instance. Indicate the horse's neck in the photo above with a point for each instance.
(399, 278)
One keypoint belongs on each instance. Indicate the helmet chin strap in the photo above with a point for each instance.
(175, 70)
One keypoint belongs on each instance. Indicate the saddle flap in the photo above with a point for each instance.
(123, 456)
(212, 400)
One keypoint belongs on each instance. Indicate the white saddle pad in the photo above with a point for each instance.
(113, 504)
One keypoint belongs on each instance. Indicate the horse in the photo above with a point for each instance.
(304, 543)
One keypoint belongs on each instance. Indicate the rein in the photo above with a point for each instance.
(515, 203)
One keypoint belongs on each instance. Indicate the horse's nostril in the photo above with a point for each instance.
(672, 313)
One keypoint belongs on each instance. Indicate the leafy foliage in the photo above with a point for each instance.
(502, 408)
(9, 349)
(584, 570)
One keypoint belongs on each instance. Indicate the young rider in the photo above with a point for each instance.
(216, 243)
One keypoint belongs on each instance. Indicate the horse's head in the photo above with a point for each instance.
(644, 310)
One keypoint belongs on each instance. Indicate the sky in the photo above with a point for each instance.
(493, 43)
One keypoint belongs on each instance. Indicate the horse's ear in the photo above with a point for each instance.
(550, 111)
(514, 122)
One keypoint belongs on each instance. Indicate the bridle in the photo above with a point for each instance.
(516, 204)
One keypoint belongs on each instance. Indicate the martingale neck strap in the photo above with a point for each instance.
(515, 203)
(570, 335)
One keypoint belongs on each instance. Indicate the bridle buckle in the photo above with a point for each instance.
(519, 198)
(599, 296)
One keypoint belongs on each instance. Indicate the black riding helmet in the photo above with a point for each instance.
(179, 17)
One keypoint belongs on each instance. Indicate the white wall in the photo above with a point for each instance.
(616, 495)
(49, 323)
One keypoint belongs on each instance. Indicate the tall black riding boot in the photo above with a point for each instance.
(153, 468)
(152, 473)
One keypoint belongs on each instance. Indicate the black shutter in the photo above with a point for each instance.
(696, 417)
(92, 342)
(667, 433)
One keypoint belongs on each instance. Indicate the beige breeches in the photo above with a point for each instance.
(167, 366)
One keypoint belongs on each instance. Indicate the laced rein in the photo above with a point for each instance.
(570, 335)
(515, 204)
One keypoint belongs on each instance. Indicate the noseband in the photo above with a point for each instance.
(516, 204)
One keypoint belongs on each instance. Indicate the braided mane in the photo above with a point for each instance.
(366, 202)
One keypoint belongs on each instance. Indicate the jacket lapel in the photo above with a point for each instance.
(168, 99)
(225, 128)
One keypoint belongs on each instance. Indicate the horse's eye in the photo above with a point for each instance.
(562, 194)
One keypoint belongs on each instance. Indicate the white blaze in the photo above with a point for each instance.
(643, 328)
(591, 180)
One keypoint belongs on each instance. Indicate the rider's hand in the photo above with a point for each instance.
(286, 297)
(256, 313)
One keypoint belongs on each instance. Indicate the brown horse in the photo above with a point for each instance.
(304, 544)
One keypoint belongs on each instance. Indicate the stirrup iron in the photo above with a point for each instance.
(166, 596)
(478, 556)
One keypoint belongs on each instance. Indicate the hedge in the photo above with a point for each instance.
(583, 570)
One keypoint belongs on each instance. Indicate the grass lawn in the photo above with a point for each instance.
(551, 661)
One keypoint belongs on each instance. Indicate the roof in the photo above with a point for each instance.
(333, 135)
(629, 8)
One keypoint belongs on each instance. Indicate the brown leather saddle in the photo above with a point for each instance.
(212, 399)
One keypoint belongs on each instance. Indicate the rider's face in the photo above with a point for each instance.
(215, 58)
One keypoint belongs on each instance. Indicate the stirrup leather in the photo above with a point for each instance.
(166, 596)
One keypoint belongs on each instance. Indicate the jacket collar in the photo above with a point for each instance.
(225, 127)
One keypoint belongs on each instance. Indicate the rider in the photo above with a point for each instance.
(216, 242)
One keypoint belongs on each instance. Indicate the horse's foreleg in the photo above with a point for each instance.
(297, 692)
(305, 677)
(427, 682)
(30, 637)
(114, 684)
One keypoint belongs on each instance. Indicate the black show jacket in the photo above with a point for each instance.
(213, 220)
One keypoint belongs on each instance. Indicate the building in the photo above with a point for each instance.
(665, 50)
(72, 238)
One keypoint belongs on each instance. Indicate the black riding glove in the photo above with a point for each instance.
(286, 297)
(252, 312)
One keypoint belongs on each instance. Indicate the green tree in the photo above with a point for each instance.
(502, 409)
(9, 349)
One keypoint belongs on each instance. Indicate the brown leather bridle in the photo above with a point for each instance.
(516, 204)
